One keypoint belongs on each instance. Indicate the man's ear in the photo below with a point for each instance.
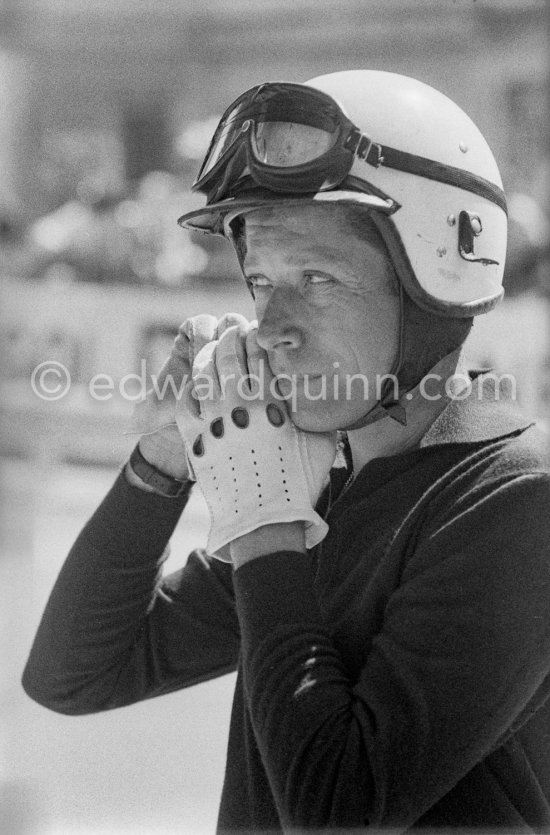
(238, 238)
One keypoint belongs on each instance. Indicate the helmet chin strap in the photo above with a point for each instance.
(393, 409)
(424, 340)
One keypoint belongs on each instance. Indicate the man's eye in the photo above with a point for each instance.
(258, 281)
(318, 278)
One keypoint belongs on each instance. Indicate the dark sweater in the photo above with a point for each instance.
(396, 676)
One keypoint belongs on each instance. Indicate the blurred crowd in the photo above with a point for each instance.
(128, 235)
(102, 228)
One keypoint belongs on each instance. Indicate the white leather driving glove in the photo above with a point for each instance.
(253, 465)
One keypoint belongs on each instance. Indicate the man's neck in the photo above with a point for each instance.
(423, 405)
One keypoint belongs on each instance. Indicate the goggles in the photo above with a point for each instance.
(287, 137)
(295, 139)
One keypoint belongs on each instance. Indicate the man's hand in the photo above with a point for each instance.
(154, 417)
(254, 467)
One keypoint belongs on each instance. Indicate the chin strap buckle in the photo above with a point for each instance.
(396, 412)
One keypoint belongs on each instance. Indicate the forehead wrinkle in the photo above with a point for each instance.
(299, 259)
(263, 239)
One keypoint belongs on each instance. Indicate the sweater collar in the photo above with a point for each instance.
(487, 410)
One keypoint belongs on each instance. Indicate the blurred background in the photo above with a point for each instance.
(107, 110)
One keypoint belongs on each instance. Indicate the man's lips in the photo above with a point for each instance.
(298, 375)
(288, 382)
(300, 379)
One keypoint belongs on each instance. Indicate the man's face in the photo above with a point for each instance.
(327, 307)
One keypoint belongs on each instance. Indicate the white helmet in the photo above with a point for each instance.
(426, 175)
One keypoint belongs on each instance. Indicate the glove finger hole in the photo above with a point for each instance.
(217, 427)
(240, 417)
(198, 446)
(274, 415)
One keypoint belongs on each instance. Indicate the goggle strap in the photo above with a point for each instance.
(382, 155)
(363, 146)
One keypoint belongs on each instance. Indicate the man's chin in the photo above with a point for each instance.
(310, 423)
(324, 420)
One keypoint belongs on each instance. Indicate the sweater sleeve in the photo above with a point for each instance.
(462, 659)
(114, 631)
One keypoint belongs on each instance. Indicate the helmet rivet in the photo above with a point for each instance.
(441, 251)
(463, 147)
(451, 220)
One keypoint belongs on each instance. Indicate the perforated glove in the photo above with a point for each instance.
(253, 465)
(158, 408)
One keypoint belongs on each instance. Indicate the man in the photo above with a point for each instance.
(391, 629)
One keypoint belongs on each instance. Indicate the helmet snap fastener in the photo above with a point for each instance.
(451, 220)
(469, 228)
(463, 147)
(476, 225)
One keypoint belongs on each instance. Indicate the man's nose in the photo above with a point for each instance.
(280, 325)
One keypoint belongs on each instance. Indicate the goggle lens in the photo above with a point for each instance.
(285, 144)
